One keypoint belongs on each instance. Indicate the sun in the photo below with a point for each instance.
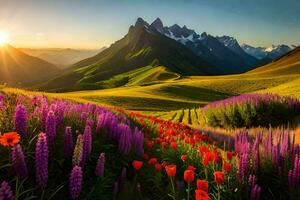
(3, 38)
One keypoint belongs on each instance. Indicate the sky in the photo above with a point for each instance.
(96, 23)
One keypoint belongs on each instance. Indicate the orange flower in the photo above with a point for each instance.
(219, 177)
(227, 167)
(189, 175)
(10, 139)
(201, 195)
(171, 170)
(202, 185)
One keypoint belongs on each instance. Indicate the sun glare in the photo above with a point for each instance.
(3, 38)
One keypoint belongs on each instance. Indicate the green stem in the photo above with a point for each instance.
(173, 188)
(219, 194)
(188, 192)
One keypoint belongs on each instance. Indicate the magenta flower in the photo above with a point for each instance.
(68, 142)
(5, 191)
(100, 165)
(20, 120)
(18, 161)
(41, 160)
(51, 126)
(75, 182)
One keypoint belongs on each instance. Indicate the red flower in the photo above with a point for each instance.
(163, 145)
(149, 144)
(146, 156)
(227, 167)
(190, 167)
(173, 145)
(189, 175)
(229, 155)
(208, 157)
(164, 164)
(10, 139)
(202, 149)
(152, 161)
(171, 170)
(137, 164)
(219, 177)
(201, 195)
(184, 158)
(202, 185)
(158, 167)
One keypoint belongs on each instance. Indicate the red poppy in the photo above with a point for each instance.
(219, 177)
(137, 164)
(229, 155)
(171, 170)
(10, 139)
(189, 175)
(202, 185)
(227, 167)
(146, 156)
(202, 149)
(191, 167)
(164, 164)
(184, 158)
(152, 161)
(158, 167)
(201, 195)
(173, 145)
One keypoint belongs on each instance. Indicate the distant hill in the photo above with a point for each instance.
(142, 46)
(20, 69)
(62, 57)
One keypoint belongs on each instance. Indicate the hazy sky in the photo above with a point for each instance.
(97, 23)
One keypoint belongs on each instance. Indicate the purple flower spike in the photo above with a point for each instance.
(75, 182)
(78, 152)
(5, 191)
(100, 165)
(87, 143)
(20, 120)
(68, 142)
(18, 161)
(51, 126)
(41, 160)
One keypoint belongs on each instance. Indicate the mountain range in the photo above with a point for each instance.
(61, 57)
(146, 54)
(178, 50)
(20, 69)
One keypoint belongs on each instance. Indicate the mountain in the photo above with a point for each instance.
(289, 63)
(18, 68)
(231, 58)
(62, 57)
(233, 45)
(142, 46)
(267, 53)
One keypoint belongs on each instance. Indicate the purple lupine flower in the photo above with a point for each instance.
(51, 126)
(124, 139)
(68, 142)
(138, 140)
(294, 174)
(243, 165)
(20, 120)
(5, 191)
(116, 189)
(44, 113)
(122, 178)
(84, 116)
(100, 123)
(255, 192)
(87, 143)
(100, 165)
(18, 161)
(41, 160)
(75, 182)
(78, 152)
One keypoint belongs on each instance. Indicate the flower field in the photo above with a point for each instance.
(58, 149)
